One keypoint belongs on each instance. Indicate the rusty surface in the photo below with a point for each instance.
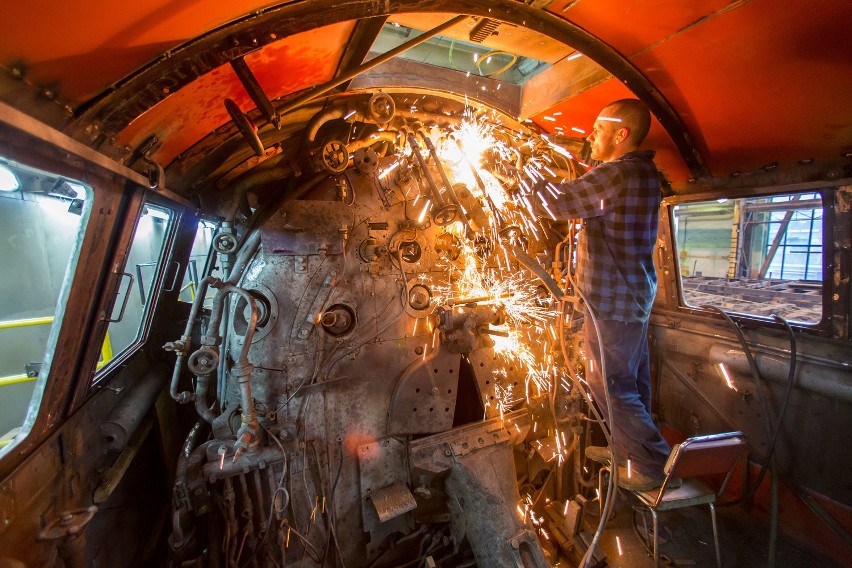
(281, 68)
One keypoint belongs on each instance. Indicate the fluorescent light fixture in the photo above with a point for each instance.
(8, 180)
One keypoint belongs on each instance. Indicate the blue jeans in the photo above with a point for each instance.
(634, 435)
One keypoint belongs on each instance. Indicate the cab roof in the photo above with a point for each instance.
(737, 87)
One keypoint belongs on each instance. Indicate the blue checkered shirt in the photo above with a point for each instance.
(619, 202)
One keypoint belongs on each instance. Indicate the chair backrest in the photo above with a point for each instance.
(706, 455)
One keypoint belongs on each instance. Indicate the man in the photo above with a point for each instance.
(619, 201)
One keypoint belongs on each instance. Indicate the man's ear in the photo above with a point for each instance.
(623, 134)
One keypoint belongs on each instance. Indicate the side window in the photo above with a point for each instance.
(42, 220)
(138, 290)
(198, 259)
(757, 255)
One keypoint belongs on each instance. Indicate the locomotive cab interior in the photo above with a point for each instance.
(277, 290)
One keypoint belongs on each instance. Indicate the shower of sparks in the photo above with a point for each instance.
(509, 175)
(387, 172)
(727, 377)
(423, 212)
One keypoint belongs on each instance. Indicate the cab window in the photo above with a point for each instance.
(143, 278)
(200, 261)
(757, 255)
(42, 219)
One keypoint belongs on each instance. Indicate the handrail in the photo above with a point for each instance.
(12, 324)
(191, 286)
(106, 348)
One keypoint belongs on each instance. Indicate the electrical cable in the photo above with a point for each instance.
(771, 432)
(609, 504)
(768, 461)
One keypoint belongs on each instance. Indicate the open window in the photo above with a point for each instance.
(756, 256)
(42, 220)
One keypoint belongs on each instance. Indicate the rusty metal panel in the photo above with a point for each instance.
(425, 396)
(307, 228)
(281, 68)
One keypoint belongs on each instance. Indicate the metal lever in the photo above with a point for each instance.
(445, 213)
(450, 191)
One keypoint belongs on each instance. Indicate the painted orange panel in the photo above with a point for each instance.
(581, 111)
(631, 25)
(283, 67)
(86, 45)
(751, 94)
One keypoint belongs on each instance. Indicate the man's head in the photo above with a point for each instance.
(620, 128)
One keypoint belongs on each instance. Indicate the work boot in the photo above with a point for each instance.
(598, 454)
(601, 455)
(639, 482)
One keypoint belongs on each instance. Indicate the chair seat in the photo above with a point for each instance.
(691, 492)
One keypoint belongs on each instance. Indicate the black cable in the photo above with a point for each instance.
(772, 432)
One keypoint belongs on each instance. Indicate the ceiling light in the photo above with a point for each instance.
(8, 180)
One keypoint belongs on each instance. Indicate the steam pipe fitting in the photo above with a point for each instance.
(182, 346)
(372, 139)
(242, 369)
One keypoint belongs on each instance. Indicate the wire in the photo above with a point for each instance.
(772, 433)
(606, 509)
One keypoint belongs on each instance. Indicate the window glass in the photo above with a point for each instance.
(42, 218)
(463, 56)
(136, 291)
(198, 263)
(757, 255)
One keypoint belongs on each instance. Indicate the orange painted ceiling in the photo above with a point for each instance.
(755, 81)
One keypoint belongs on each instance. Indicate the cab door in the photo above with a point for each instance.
(94, 259)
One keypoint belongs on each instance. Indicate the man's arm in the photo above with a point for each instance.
(588, 196)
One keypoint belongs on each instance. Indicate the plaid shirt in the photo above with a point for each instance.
(619, 202)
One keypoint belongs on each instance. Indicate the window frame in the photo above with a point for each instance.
(163, 270)
(117, 194)
(825, 326)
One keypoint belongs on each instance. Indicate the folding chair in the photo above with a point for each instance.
(702, 455)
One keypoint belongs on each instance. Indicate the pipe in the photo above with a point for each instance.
(327, 115)
(241, 370)
(442, 214)
(372, 139)
(247, 462)
(182, 345)
(829, 382)
(125, 418)
(278, 169)
(352, 73)
(202, 385)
